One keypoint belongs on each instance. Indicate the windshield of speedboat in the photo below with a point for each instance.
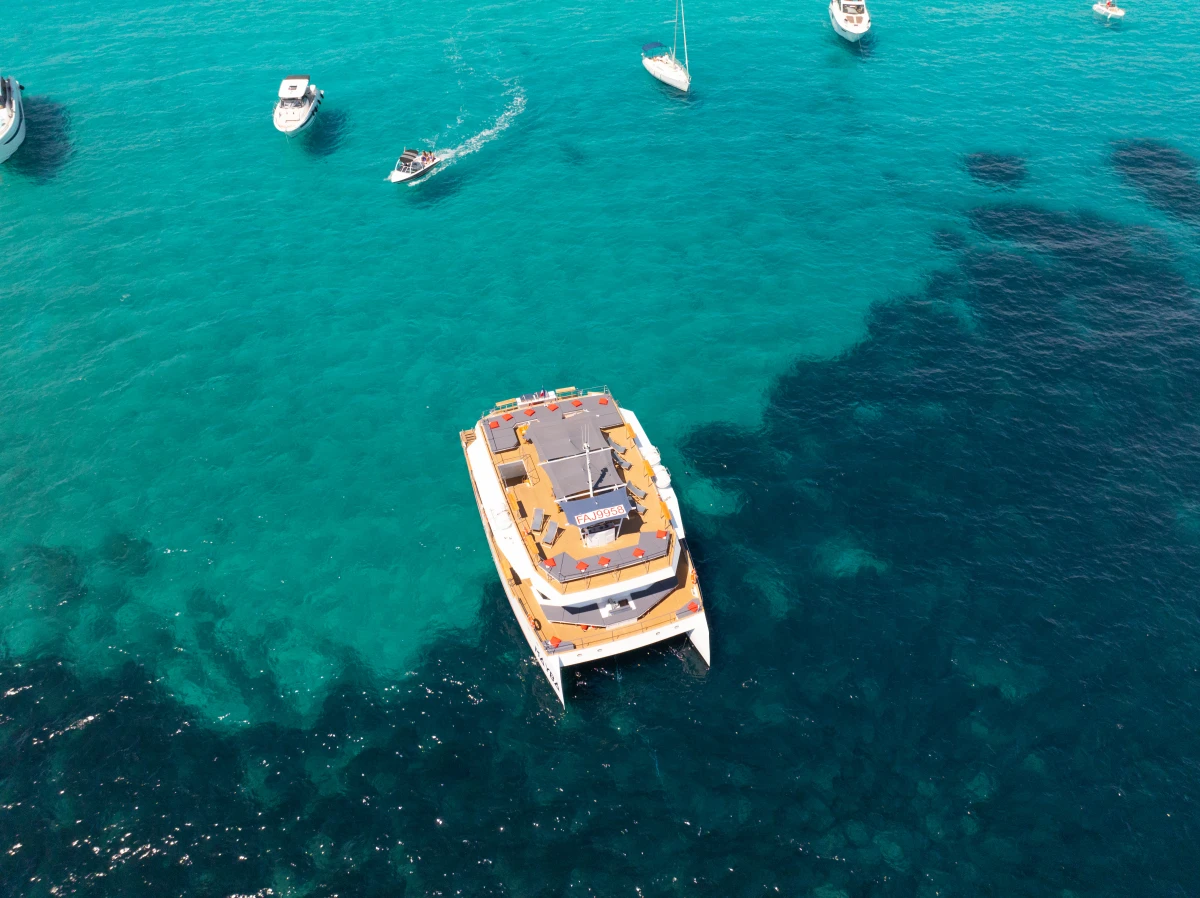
(291, 102)
(854, 9)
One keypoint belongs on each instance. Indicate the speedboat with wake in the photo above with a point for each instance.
(850, 19)
(1108, 9)
(660, 60)
(12, 117)
(413, 164)
(299, 100)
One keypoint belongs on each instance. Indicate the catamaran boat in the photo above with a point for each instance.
(1108, 9)
(850, 18)
(659, 60)
(413, 164)
(299, 100)
(12, 117)
(584, 528)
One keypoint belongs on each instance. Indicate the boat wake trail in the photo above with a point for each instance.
(516, 105)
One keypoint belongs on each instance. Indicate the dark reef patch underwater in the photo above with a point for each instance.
(955, 645)
(997, 169)
(1169, 178)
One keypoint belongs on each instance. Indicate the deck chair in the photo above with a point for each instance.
(623, 463)
(621, 449)
(641, 509)
(539, 518)
(551, 533)
(636, 490)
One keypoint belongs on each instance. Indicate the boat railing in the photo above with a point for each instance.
(586, 640)
(508, 405)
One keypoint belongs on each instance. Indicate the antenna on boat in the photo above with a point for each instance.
(587, 460)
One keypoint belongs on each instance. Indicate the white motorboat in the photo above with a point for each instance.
(299, 100)
(12, 117)
(850, 19)
(661, 62)
(413, 164)
(1108, 9)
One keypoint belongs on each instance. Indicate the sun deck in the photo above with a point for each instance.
(535, 486)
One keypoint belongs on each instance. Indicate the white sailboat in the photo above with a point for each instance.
(663, 64)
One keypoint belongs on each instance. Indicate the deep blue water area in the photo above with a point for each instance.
(916, 325)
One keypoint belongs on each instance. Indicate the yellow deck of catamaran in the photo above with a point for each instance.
(536, 492)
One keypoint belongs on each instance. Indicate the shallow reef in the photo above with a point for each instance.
(997, 169)
(1168, 177)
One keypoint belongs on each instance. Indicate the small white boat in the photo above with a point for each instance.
(850, 19)
(1108, 9)
(12, 117)
(299, 100)
(660, 61)
(413, 164)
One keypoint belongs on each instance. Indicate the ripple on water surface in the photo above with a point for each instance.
(916, 327)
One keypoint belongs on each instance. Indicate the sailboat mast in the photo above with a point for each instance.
(683, 16)
(675, 36)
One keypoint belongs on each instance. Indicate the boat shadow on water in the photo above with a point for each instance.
(47, 147)
(327, 133)
(634, 672)
(864, 48)
(686, 98)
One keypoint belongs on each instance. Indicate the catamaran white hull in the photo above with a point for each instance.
(552, 661)
(848, 30)
(668, 72)
(14, 134)
(1108, 12)
(695, 627)
(397, 177)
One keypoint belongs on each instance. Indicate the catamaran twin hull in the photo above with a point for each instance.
(584, 528)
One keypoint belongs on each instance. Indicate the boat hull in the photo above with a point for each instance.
(14, 134)
(289, 126)
(668, 72)
(1108, 12)
(654, 627)
(398, 177)
(851, 32)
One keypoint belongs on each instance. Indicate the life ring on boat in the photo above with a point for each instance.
(535, 623)
(694, 579)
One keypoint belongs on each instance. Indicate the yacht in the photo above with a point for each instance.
(850, 18)
(1108, 9)
(584, 527)
(413, 164)
(299, 100)
(12, 117)
(660, 61)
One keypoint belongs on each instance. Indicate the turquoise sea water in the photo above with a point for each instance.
(914, 321)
